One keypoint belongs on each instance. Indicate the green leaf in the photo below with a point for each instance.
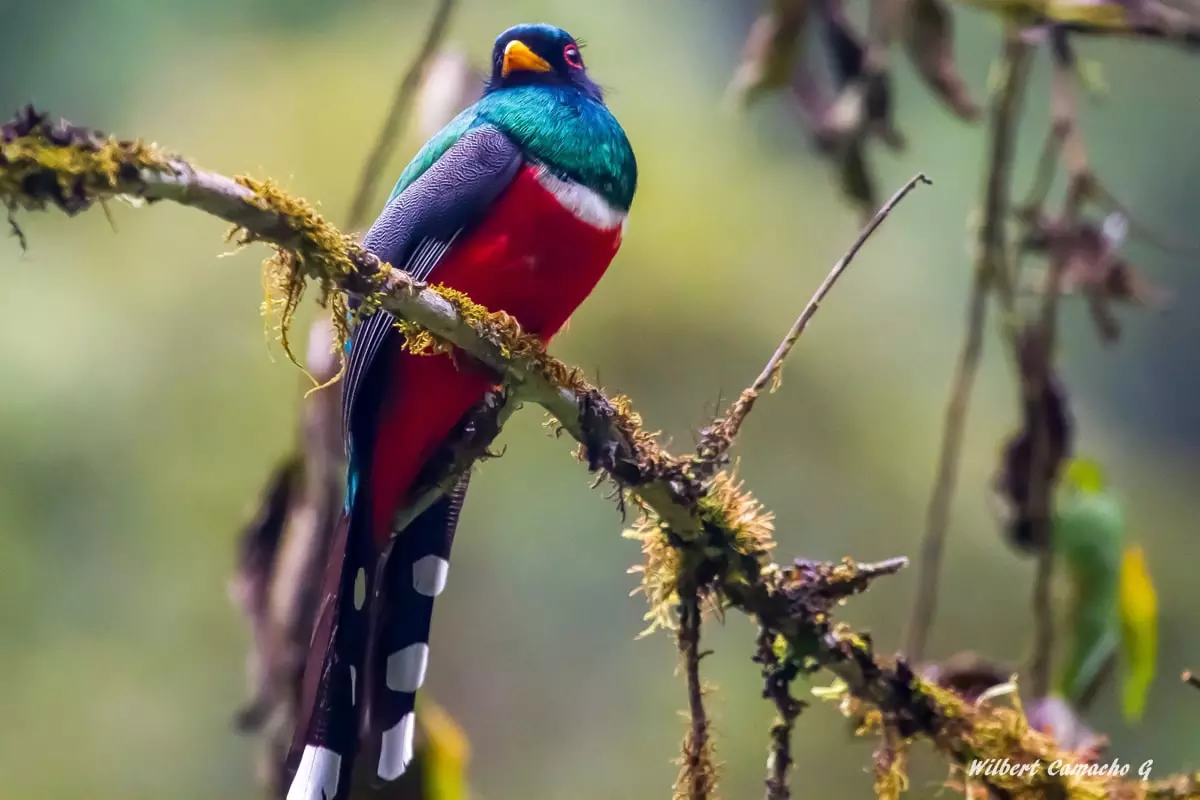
(1089, 537)
(1083, 475)
(1113, 598)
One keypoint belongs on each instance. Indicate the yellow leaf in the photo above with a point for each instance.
(1100, 15)
(1139, 631)
(446, 752)
(1105, 15)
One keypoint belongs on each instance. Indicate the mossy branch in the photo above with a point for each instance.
(778, 675)
(697, 778)
(711, 531)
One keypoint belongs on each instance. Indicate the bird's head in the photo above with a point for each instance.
(535, 54)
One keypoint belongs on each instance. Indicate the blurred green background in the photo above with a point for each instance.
(141, 406)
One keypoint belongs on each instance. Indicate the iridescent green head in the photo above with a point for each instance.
(541, 97)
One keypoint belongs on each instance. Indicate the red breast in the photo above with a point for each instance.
(531, 256)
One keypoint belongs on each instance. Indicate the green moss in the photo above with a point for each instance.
(891, 763)
(736, 537)
(321, 252)
(65, 166)
(420, 341)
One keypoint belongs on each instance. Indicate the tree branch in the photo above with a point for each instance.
(777, 682)
(698, 773)
(719, 532)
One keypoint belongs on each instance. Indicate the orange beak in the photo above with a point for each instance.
(518, 56)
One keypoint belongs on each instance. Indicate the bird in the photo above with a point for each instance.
(521, 203)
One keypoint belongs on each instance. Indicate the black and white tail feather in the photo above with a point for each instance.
(361, 694)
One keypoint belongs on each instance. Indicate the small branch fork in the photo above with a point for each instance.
(44, 164)
(718, 438)
(697, 778)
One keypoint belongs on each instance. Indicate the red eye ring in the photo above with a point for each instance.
(572, 57)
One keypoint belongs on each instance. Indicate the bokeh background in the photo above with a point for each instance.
(141, 405)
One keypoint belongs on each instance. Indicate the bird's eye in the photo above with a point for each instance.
(572, 57)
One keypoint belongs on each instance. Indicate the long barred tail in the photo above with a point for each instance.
(386, 642)
(413, 575)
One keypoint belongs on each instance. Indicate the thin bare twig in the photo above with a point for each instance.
(719, 437)
(401, 103)
(1064, 125)
(1044, 175)
(469, 444)
(991, 274)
